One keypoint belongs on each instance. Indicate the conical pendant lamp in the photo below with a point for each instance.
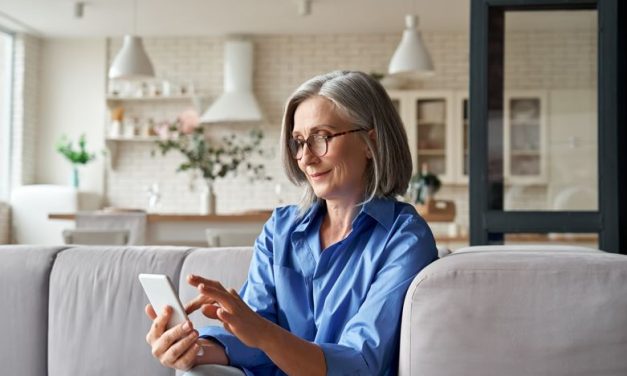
(132, 62)
(411, 56)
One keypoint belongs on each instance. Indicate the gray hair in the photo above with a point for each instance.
(364, 102)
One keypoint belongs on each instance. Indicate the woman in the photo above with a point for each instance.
(327, 281)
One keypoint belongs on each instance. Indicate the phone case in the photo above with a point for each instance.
(160, 292)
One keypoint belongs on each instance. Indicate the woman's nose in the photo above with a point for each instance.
(308, 156)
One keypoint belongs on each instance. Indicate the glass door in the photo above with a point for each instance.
(537, 171)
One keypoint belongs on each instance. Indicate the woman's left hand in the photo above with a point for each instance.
(216, 302)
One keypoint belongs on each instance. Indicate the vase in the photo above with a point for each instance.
(207, 198)
(75, 177)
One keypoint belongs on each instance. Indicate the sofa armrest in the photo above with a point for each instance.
(517, 312)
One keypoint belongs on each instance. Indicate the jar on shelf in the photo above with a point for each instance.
(130, 128)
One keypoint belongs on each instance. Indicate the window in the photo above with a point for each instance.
(6, 81)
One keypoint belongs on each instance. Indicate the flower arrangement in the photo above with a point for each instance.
(77, 157)
(80, 156)
(212, 160)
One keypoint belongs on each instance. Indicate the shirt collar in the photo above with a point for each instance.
(380, 209)
(309, 216)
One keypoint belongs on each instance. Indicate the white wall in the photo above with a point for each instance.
(71, 102)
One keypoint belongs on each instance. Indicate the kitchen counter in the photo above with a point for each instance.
(195, 230)
(190, 230)
(166, 217)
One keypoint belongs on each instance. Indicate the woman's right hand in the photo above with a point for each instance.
(176, 347)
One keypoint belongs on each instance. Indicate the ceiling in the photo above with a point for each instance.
(102, 18)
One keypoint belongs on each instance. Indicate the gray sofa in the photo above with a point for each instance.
(479, 311)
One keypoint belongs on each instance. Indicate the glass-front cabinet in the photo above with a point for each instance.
(427, 116)
(525, 137)
(437, 125)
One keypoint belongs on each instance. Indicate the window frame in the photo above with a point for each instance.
(6, 126)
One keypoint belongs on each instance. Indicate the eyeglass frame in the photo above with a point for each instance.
(309, 141)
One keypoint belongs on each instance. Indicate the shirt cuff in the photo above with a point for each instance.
(239, 355)
(343, 360)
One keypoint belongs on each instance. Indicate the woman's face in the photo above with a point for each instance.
(340, 173)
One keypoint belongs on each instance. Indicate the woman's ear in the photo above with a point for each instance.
(373, 137)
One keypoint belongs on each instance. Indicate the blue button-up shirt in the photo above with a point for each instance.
(347, 299)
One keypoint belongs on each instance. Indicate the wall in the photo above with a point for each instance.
(71, 103)
(534, 61)
(282, 62)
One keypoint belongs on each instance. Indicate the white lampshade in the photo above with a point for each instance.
(411, 56)
(131, 62)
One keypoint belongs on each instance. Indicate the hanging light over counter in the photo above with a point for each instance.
(132, 61)
(411, 55)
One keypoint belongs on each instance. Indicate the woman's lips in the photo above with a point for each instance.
(318, 175)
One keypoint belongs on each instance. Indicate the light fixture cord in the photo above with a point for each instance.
(134, 17)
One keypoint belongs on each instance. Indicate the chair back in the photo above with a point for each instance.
(96, 237)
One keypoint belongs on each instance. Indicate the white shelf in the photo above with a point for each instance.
(134, 139)
(112, 98)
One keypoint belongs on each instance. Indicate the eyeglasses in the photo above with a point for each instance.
(318, 144)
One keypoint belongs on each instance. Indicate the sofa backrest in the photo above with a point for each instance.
(79, 310)
(24, 274)
(97, 324)
(517, 311)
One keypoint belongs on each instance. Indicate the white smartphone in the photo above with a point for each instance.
(160, 293)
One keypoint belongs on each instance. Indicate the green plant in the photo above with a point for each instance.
(377, 75)
(215, 160)
(424, 185)
(80, 156)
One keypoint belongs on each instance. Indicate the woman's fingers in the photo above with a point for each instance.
(196, 280)
(150, 312)
(188, 359)
(170, 337)
(159, 324)
(197, 302)
(209, 310)
(172, 356)
(222, 297)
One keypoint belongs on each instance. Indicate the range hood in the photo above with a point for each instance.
(237, 103)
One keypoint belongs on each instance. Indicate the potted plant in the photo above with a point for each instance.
(77, 157)
(210, 159)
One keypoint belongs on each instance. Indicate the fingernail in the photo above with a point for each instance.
(199, 350)
(187, 325)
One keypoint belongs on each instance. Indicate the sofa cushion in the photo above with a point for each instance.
(517, 312)
(24, 275)
(97, 322)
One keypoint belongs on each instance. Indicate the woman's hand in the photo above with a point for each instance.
(175, 347)
(216, 302)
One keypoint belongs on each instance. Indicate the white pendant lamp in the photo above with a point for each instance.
(411, 57)
(132, 62)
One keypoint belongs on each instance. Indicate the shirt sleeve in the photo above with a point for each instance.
(369, 341)
(259, 293)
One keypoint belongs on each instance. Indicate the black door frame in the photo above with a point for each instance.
(488, 221)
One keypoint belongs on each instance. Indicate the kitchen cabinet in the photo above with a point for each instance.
(427, 117)
(438, 123)
(524, 137)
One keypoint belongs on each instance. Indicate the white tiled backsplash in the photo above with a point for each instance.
(282, 62)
